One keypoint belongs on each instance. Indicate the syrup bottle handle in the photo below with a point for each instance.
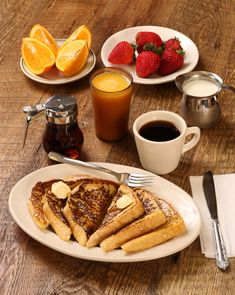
(32, 112)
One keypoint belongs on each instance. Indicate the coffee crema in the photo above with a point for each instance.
(159, 130)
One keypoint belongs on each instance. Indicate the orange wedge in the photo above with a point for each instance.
(41, 34)
(38, 57)
(81, 33)
(72, 57)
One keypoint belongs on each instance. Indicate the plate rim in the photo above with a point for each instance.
(105, 257)
(148, 81)
(65, 80)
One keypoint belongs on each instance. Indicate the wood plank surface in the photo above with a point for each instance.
(26, 266)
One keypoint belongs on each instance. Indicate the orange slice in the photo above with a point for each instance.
(38, 57)
(72, 57)
(81, 33)
(41, 34)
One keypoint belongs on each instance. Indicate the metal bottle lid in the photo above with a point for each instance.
(61, 109)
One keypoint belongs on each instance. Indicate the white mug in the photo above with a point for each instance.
(162, 157)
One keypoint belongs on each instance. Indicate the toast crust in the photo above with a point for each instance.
(173, 227)
(152, 218)
(53, 211)
(38, 215)
(60, 228)
(117, 218)
(77, 230)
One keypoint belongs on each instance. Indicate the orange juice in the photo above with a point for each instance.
(111, 92)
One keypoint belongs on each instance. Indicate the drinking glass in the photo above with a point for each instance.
(111, 90)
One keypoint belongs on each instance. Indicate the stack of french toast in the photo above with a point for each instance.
(100, 212)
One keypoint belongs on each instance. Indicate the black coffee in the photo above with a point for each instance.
(159, 131)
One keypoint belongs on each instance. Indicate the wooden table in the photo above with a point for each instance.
(27, 267)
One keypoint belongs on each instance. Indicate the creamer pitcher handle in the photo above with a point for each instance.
(196, 132)
(228, 87)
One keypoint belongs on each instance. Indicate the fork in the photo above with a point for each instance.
(130, 179)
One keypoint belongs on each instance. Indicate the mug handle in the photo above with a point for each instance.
(197, 133)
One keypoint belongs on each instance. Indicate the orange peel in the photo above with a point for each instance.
(81, 33)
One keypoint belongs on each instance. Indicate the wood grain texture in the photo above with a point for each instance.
(26, 266)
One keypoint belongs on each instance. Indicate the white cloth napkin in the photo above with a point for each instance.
(225, 196)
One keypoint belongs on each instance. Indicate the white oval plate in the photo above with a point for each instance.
(179, 199)
(54, 76)
(190, 59)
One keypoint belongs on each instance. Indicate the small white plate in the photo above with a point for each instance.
(54, 76)
(190, 59)
(179, 199)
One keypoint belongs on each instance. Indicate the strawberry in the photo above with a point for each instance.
(147, 63)
(171, 61)
(173, 43)
(147, 37)
(122, 53)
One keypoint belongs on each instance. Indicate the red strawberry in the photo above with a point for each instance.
(147, 37)
(173, 43)
(171, 61)
(147, 63)
(122, 53)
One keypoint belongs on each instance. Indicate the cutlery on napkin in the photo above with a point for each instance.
(225, 196)
(222, 261)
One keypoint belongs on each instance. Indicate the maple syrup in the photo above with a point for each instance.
(66, 139)
(62, 133)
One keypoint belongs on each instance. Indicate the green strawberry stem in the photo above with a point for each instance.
(153, 48)
(180, 51)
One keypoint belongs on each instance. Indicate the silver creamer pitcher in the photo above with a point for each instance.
(200, 105)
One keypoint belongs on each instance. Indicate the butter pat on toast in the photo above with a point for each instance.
(152, 218)
(87, 205)
(173, 227)
(125, 208)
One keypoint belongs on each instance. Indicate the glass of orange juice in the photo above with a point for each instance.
(111, 90)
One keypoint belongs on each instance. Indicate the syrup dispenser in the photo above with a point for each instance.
(62, 133)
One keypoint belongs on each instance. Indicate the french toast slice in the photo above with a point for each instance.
(173, 227)
(152, 218)
(36, 202)
(87, 205)
(125, 208)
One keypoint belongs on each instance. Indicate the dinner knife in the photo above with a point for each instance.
(222, 260)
